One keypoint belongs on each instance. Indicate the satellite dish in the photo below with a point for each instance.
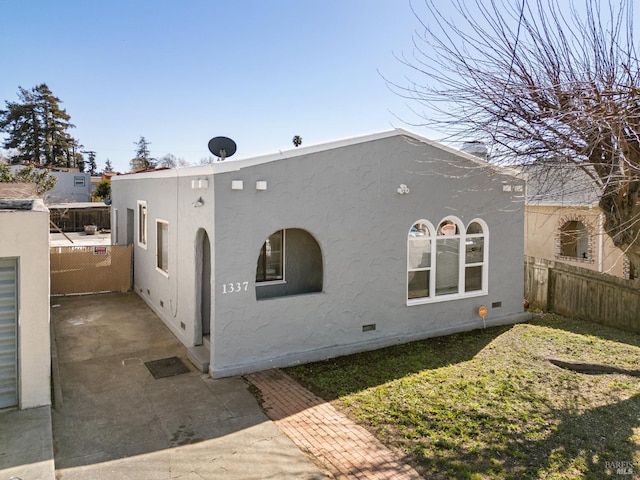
(222, 147)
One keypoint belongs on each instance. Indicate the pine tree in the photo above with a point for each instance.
(58, 144)
(143, 159)
(19, 121)
(93, 166)
(37, 129)
(107, 166)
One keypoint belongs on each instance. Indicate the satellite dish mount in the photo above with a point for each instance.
(222, 147)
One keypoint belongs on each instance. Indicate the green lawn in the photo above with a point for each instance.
(488, 404)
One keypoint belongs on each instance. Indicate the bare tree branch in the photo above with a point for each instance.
(537, 79)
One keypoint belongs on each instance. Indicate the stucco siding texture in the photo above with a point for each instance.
(542, 238)
(172, 295)
(25, 237)
(347, 199)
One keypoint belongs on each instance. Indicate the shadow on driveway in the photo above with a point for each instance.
(112, 419)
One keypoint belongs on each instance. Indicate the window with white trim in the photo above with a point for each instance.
(419, 260)
(142, 224)
(474, 258)
(271, 260)
(446, 262)
(162, 246)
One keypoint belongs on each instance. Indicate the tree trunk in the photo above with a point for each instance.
(621, 208)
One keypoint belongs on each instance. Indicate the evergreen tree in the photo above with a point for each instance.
(93, 166)
(103, 190)
(19, 121)
(37, 129)
(143, 159)
(107, 166)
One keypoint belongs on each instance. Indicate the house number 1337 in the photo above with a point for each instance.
(235, 287)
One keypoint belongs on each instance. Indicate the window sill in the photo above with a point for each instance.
(271, 282)
(565, 258)
(162, 272)
(446, 298)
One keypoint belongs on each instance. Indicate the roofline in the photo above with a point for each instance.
(240, 163)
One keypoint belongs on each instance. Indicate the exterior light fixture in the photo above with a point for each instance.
(198, 203)
(403, 189)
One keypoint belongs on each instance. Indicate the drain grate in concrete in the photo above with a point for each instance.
(166, 367)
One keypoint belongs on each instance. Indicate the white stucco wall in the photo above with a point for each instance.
(25, 237)
(70, 187)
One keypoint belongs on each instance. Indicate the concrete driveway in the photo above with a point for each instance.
(113, 420)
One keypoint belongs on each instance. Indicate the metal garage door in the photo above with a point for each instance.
(8, 334)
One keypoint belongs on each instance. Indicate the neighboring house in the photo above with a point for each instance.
(25, 360)
(71, 186)
(324, 250)
(564, 222)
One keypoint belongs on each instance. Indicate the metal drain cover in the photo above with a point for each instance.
(166, 367)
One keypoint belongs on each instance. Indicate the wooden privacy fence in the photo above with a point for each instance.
(70, 219)
(90, 269)
(582, 293)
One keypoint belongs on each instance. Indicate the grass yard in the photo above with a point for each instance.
(489, 405)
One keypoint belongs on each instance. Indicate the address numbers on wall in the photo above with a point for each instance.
(235, 287)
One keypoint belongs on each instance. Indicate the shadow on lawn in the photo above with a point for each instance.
(345, 375)
(595, 444)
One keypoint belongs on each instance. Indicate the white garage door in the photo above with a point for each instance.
(8, 334)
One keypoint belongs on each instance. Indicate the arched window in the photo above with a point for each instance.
(289, 263)
(446, 262)
(574, 240)
(447, 258)
(419, 260)
(474, 258)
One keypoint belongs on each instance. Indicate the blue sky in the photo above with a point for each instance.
(181, 72)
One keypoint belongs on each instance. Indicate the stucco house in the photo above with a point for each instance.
(71, 186)
(324, 250)
(564, 222)
(25, 360)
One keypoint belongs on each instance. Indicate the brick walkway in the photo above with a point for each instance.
(346, 450)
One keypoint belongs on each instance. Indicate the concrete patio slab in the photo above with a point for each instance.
(26, 448)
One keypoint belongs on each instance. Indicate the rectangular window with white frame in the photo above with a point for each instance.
(162, 246)
(142, 224)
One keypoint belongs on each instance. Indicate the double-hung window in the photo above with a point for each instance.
(474, 259)
(419, 261)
